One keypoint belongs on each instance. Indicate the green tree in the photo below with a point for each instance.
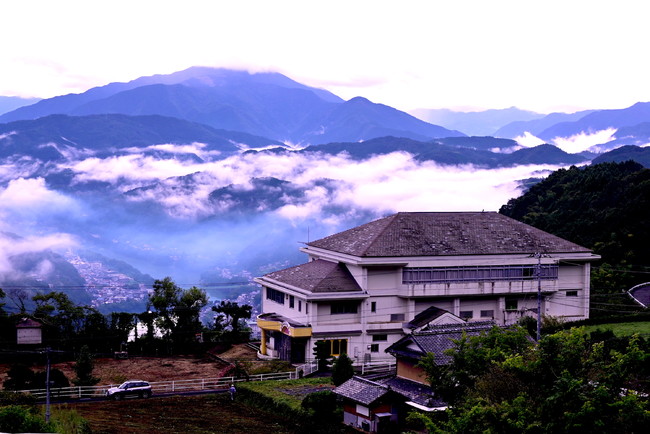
(19, 377)
(342, 369)
(164, 299)
(15, 418)
(188, 312)
(568, 383)
(230, 315)
(472, 357)
(323, 355)
(321, 404)
(84, 368)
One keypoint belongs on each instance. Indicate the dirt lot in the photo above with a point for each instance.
(114, 371)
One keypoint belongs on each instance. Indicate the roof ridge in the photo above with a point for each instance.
(381, 233)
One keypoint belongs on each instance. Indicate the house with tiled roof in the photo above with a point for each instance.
(363, 289)
(375, 405)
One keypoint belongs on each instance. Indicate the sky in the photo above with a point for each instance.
(465, 55)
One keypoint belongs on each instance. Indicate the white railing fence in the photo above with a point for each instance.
(177, 386)
(158, 387)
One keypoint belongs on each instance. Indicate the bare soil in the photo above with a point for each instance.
(214, 413)
(115, 371)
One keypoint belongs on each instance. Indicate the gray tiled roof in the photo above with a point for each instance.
(413, 391)
(361, 390)
(437, 340)
(444, 233)
(317, 277)
(425, 317)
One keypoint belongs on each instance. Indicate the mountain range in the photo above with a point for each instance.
(213, 175)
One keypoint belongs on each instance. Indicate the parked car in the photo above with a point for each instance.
(137, 388)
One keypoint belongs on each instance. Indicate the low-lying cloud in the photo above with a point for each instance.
(383, 183)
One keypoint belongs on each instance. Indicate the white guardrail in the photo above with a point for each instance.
(158, 387)
(221, 383)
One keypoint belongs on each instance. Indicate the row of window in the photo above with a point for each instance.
(340, 346)
(279, 297)
(420, 275)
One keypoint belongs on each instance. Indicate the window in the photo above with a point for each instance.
(374, 348)
(396, 317)
(373, 306)
(379, 338)
(572, 293)
(511, 304)
(467, 314)
(344, 307)
(275, 295)
(337, 346)
(292, 301)
(299, 305)
(487, 314)
(421, 275)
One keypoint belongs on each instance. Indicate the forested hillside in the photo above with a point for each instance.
(603, 207)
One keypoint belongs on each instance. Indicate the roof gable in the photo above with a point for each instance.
(318, 276)
(444, 233)
(437, 340)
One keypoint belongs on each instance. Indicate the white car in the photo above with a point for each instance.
(138, 388)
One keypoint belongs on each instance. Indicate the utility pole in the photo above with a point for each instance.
(47, 386)
(538, 272)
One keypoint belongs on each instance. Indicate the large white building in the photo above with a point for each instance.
(362, 289)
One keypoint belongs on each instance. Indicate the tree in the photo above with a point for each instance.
(187, 312)
(19, 377)
(342, 370)
(568, 383)
(164, 299)
(15, 418)
(177, 312)
(322, 354)
(84, 367)
(230, 315)
(321, 404)
(472, 357)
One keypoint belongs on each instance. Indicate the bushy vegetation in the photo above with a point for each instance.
(171, 321)
(570, 382)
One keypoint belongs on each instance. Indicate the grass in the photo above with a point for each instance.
(623, 328)
(289, 392)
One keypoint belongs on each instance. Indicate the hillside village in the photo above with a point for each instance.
(378, 320)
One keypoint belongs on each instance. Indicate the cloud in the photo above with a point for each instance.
(528, 140)
(32, 194)
(584, 140)
(384, 183)
(11, 246)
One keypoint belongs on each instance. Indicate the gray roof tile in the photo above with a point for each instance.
(361, 390)
(437, 340)
(318, 276)
(444, 233)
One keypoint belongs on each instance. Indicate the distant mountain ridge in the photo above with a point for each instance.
(263, 104)
(49, 137)
(476, 123)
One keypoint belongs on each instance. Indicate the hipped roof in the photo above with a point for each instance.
(444, 233)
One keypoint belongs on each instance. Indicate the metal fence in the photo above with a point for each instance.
(203, 384)
(158, 387)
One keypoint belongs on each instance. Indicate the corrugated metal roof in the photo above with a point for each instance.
(444, 233)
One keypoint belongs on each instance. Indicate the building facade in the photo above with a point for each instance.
(362, 289)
